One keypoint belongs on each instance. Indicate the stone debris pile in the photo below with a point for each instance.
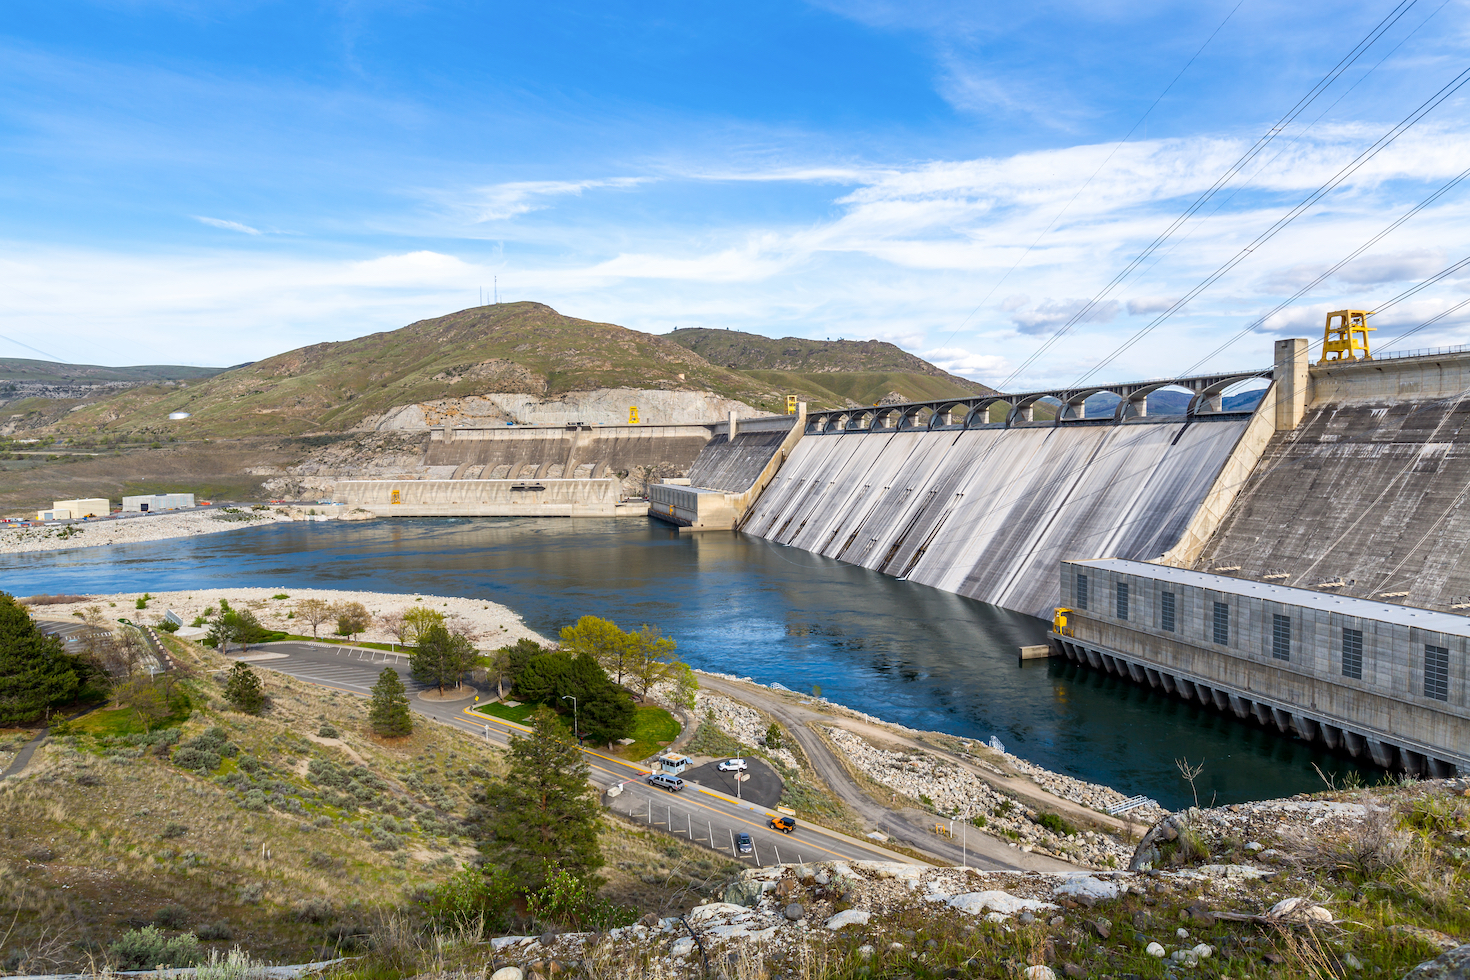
(744, 724)
(952, 791)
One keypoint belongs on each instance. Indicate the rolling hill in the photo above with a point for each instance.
(52, 372)
(864, 372)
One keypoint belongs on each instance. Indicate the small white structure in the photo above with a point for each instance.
(54, 514)
(84, 507)
(152, 503)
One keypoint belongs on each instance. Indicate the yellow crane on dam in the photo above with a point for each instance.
(1345, 335)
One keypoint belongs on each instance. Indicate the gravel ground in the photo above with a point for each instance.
(154, 527)
(953, 791)
(488, 624)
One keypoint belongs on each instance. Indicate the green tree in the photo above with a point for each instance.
(419, 620)
(508, 662)
(651, 658)
(441, 658)
(604, 710)
(542, 817)
(315, 612)
(541, 678)
(35, 673)
(352, 618)
(685, 685)
(388, 714)
(601, 640)
(773, 737)
(243, 690)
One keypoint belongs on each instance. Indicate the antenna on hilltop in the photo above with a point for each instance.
(496, 280)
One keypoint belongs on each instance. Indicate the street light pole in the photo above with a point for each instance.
(576, 728)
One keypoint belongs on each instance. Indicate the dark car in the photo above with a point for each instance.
(743, 844)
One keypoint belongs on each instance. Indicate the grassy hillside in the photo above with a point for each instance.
(52, 372)
(307, 836)
(864, 387)
(797, 355)
(513, 347)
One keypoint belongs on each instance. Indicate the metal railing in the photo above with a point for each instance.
(1422, 352)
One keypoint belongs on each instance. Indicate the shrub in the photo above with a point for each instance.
(148, 949)
(328, 730)
(189, 757)
(172, 829)
(215, 931)
(1054, 823)
(171, 917)
(315, 910)
(169, 626)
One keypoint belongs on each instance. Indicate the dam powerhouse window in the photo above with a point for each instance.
(1081, 591)
(1436, 672)
(1166, 611)
(1122, 600)
(1280, 636)
(1221, 624)
(1352, 653)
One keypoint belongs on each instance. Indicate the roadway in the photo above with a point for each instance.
(692, 814)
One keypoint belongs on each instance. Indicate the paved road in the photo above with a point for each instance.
(913, 828)
(700, 813)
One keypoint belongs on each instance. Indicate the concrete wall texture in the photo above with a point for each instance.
(1302, 682)
(1370, 495)
(630, 453)
(486, 498)
(988, 512)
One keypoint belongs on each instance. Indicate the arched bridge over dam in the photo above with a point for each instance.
(978, 496)
(1206, 397)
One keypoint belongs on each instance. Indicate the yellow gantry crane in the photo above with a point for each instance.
(1345, 335)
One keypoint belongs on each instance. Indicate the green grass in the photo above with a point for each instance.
(520, 715)
(122, 721)
(653, 728)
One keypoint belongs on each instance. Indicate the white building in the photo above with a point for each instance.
(152, 503)
(62, 510)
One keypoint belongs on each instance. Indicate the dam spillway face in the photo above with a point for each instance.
(989, 512)
(1364, 498)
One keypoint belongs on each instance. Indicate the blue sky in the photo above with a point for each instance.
(209, 183)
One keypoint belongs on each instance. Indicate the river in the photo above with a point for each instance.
(739, 605)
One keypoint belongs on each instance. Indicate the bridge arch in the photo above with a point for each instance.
(1209, 399)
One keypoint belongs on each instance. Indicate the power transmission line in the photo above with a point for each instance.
(1230, 173)
(1445, 189)
(1450, 88)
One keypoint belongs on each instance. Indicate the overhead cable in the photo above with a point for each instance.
(1259, 321)
(1427, 323)
(1373, 150)
(1230, 173)
(1106, 160)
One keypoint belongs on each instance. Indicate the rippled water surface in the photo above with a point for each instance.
(901, 651)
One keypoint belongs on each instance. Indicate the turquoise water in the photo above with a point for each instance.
(903, 652)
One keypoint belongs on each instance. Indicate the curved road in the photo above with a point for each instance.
(911, 827)
(703, 815)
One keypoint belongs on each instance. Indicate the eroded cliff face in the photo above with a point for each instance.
(356, 456)
(608, 406)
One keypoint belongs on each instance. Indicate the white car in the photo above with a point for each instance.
(733, 765)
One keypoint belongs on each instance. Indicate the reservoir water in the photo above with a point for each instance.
(739, 605)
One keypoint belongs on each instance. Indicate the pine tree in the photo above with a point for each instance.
(388, 715)
(441, 658)
(243, 690)
(34, 671)
(541, 817)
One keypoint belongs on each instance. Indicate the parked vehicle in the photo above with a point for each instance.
(733, 765)
(744, 844)
(664, 781)
(784, 824)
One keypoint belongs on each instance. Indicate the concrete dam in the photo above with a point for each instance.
(941, 495)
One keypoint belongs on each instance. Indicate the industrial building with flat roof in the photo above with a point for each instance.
(154, 502)
(64, 510)
(1372, 678)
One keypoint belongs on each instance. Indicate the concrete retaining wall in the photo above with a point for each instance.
(633, 454)
(989, 512)
(487, 498)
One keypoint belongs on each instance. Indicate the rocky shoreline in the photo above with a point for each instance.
(151, 527)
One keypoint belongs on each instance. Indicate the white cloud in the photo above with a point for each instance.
(1149, 304)
(1014, 302)
(227, 225)
(497, 202)
(1055, 312)
(967, 364)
